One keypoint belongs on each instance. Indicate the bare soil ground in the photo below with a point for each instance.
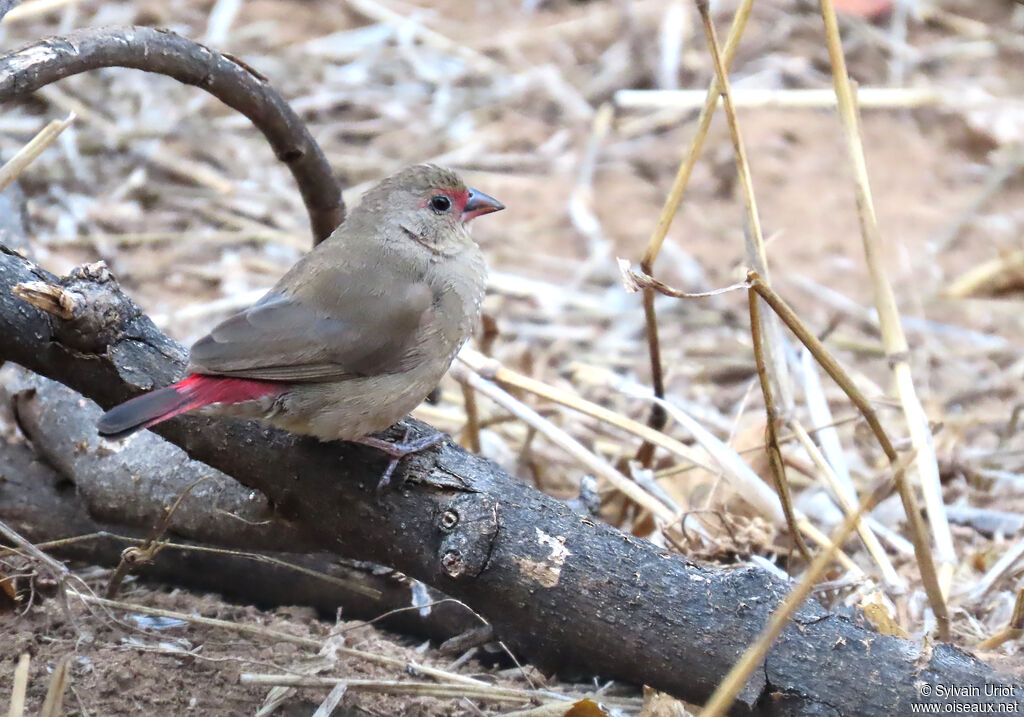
(185, 202)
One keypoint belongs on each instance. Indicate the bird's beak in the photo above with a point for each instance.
(480, 203)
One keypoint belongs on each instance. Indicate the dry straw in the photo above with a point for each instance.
(897, 350)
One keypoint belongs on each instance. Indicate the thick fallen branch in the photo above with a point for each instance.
(33, 501)
(562, 590)
(234, 83)
(125, 492)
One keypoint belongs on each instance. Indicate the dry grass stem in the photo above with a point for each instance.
(493, 370)
(17, 164)
(196, 548)
(20, 687)
(733, 682)
(471, 432)
(1002, 566)
(35, 8)
(771, 425)
(895, 341)
(422, 689)
(1014, 629)
(462, 373)
(53, 704)
(756, 98)
(668, 212)
(991, 278)
(265, 633)
(756, 253)
(827, 434)
(481, 691)
(682, 178)
(889, 575)
(823, 540)
(379, 12)
(918, 531)
(633, 281)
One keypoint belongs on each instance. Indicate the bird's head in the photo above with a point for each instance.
(429, 204)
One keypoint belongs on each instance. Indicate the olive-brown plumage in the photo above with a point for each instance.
(357, 332)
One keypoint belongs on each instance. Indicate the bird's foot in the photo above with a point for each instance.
(399, 450)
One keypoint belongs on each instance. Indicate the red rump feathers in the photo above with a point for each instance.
(190, 393)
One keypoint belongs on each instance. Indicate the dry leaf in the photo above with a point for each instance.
(659, 704)
(878, 614)
(586, 708)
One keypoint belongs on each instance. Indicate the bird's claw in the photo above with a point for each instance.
(399, 450)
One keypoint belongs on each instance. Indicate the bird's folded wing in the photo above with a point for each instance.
(282, 338)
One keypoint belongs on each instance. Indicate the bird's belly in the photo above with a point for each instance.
(351, 409)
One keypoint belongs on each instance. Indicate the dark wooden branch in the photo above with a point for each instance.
(42, 505)
(562, 590)
(133, 484)
(234, 83)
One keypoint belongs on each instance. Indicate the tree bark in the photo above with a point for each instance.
(68, 485)
(563, 590)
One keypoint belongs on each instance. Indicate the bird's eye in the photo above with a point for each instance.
(440, 203)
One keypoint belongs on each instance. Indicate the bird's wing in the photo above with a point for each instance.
(283, 338)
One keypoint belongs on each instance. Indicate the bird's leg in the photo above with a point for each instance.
(399, 450)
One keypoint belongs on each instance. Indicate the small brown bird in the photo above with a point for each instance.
(356, 334)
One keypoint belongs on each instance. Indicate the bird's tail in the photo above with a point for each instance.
(188, 394)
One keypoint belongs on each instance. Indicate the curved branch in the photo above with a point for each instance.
(234, 83)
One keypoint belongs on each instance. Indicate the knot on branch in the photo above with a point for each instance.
(469, 524)
(91, 312)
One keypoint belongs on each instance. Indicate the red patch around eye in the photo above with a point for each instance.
(459, 199)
